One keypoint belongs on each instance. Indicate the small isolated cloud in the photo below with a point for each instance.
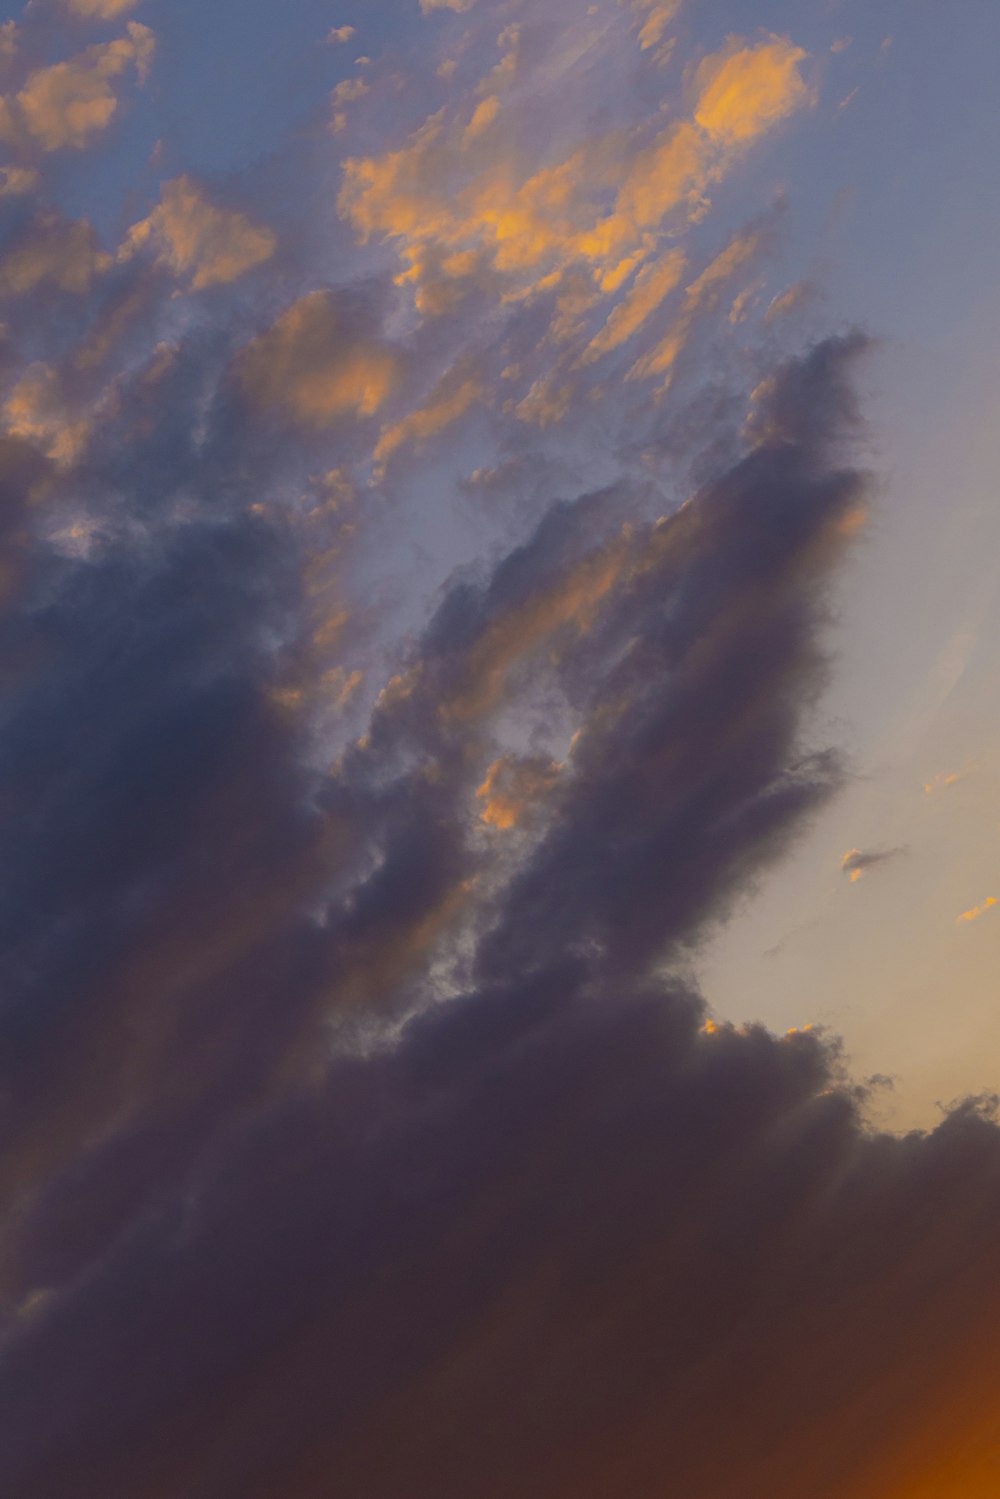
(945, 781)
(340, 34)
(16, 181)
(857, 862)
(841, 44)
(745, 91)
(977, 911)
(69, 103)
(35, 411)
(349, 90)
(656, 16)
(787, 301)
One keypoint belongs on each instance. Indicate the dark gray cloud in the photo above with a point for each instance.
(552, 1235)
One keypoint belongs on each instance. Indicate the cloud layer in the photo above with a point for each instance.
(364, 1130)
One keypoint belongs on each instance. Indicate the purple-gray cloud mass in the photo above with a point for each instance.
(364, 1130)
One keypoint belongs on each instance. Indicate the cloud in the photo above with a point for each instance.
(513, 786)
(747, 90)
(656, 16)
(319, 361)
(207, 245)
(857, 862)
(341, 34)
(484, 115)
(100, 10)
(944, 781)
(362, 1124)
(787, 301)
(36, 410)
(458, 5)
(978, 911)
(450, 209)
(455, 395)
(52, 252)
(17, 180)
(354, 1115)
(69, 103)
(652, 285)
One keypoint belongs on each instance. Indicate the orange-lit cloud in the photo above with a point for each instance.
(746, 90)
(100, 10)
(513, 786)
(483, 116)
(944, 781)
(15, 181)
(195, 239)
(787, 301)
(313, 364)
(450, 401)
(655, 17)
(72, 102)
(53, 252)
(978, 911)
(36, 410)
(571, 603)
(857, 862)
(455, 209)
(547, 402)
(338, 35)
(652, 286)
(704, 292)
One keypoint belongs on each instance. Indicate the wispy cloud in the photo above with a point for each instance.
(978, 911)
(857, 862)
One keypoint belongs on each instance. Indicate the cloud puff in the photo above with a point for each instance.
(208, 245)
(513, 786)
(319, 361)
(655, 17)
(857, 862)
(744, 91)
(455, 395)
(69, 103)
(52, 252)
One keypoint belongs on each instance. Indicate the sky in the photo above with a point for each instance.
(499, 749)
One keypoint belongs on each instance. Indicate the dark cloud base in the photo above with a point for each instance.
(554, 1236)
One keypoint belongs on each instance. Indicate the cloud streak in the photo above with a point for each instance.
(857, 862)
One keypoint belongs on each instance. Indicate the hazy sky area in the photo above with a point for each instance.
(499, 749)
